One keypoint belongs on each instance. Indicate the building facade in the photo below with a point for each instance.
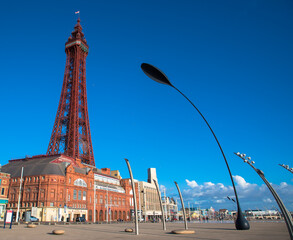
(60, 188)
(149, 200)
(4, 187)
(170, 208)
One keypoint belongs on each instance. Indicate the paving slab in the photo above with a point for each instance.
(147, 231)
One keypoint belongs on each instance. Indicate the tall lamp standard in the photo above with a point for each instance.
(157, 75)
(286, 214)
(287, 167)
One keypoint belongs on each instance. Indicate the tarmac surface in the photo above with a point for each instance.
(203, 231)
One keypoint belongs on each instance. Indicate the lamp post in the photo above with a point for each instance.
(157, 75)
(182, 204)
(161, 205)
(286, 214)
(19, 195)
(287, 167)
(134, 196)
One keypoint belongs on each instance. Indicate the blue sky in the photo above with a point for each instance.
(233, 59)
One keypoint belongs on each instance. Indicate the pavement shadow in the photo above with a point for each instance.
(229, 229)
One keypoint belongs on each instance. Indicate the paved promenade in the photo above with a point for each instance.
(204, 231)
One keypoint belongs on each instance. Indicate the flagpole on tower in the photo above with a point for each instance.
(78, 14)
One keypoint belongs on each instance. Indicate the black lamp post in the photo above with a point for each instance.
(285, 212)
(157, 75)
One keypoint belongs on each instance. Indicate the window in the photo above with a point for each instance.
(69, 180)
(42, 193)
(2, 191)
(101, 198)
(52, 193)
(74, 194)
(43, 177)
(51, 204)
(79, 194)
(80, 182)
(84, 195)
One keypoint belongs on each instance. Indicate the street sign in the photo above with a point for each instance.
(8, 218)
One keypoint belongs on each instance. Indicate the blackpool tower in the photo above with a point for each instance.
(71, 131)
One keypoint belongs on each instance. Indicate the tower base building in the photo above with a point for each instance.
(60, 188)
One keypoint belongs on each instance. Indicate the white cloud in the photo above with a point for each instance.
(209, 184)
(250, 195)
(241, 181)
(283, 184)
(162, 188)
(192, 183)
(267, 200)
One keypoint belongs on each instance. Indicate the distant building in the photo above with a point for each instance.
(170, 208)
(4, 187)
(150, 208)
(262, 214)
(150, 204)
(223, 212)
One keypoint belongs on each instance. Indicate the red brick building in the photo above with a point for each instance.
(60, 188)
(4, 186)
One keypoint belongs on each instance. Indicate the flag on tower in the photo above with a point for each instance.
(77, 12)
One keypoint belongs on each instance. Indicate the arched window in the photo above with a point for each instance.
(80, 182)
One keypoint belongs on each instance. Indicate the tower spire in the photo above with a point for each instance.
(71, 130)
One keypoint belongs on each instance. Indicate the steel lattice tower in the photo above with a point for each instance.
(71, 132)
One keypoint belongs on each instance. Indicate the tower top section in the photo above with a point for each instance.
(77, 38)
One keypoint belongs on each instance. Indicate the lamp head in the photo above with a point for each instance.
(155, 74)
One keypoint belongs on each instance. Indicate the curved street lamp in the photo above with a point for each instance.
(134, 196)
(285, 212)
(287, 167)
(157, 75)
